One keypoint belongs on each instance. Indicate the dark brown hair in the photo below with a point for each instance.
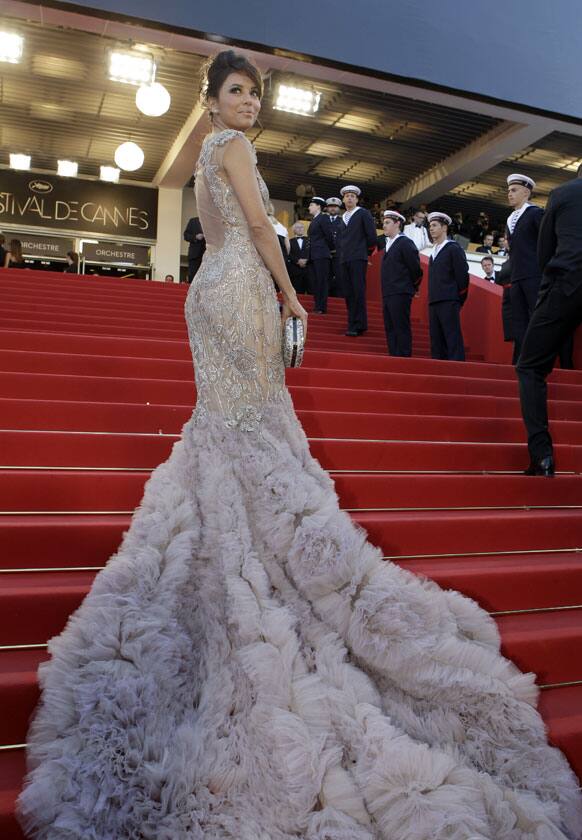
(217, 69)
(16, 250)
(73, 256)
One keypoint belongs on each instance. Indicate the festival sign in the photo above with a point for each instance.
(91, 207)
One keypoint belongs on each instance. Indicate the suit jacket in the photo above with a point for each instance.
(2, 255)
(357, 237)
(484, 249)
(559, 250)
(296, 253)
(197, 246)
(448, 274)
(523, 245)
(401, 272)
(321, 238)
(503, 278)
(336, 223)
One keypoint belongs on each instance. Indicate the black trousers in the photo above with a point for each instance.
(193, 266)
(354, 276)
(446, 338)
(555, 318)
(320, 282)
(524, 295)
(396, 311)
(336, 286)
(300, 279)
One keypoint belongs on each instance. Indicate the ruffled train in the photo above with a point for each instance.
(247, 667)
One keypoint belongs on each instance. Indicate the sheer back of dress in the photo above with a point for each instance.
(231, 310)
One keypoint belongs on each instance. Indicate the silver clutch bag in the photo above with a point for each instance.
(293, 342)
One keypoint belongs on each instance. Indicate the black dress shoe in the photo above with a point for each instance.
(544, 466)
(352, 333)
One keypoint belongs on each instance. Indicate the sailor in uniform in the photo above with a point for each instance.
(523, 226)
(321, 242)
(448, 285)
(400, 277)
(333, 206)
(357, 237)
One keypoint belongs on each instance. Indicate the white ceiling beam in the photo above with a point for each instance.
(178, 165)
(477, 157)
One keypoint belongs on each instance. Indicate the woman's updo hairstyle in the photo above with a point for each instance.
(217, 69)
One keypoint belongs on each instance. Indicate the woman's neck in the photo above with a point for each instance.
(218, 125)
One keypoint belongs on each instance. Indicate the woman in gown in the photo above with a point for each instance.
(247, 667)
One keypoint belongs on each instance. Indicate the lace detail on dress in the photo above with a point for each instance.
(232, 311)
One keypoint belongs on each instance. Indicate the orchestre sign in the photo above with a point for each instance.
(78, 205)
(47, 247)
(108, 253)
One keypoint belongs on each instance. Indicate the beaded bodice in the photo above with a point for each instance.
(231, 309)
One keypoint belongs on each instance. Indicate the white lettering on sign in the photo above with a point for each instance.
(62, 211)
(28, 245)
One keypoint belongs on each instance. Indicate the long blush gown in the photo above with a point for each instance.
(247, 666)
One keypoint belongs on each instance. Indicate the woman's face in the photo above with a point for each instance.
(238, 103)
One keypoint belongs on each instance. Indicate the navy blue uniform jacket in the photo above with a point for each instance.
(357, 237)
(401, 271)
(560, 239)
(448, 274)
(321, 238)
(523, 244)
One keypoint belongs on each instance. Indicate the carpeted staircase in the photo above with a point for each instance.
(95, 383)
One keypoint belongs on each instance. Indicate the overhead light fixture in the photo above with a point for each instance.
(296, 100)
(109, 173)
(11, 46)
(18, 161)
(67, 168)
(132, 68)
(153, 100)
(129, 156)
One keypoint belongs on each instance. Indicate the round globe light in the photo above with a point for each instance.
(153, 100)
(129, 156)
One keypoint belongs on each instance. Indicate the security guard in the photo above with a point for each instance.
(321, 241)
(356, 238)
(523, 226)
(448, 285)
(400, 276)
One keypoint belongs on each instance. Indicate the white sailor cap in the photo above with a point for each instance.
(392, 214)
(350, 188)
(317, 199)
(334, 202)
(439, 217)
(524, 180)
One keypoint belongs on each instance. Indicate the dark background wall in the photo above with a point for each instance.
(521, 51)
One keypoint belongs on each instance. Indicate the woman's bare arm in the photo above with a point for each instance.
(240, 168)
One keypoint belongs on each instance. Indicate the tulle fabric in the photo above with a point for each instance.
(248, 667)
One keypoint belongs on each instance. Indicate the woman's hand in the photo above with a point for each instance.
(292, 307)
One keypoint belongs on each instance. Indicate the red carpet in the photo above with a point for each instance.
(95, 383)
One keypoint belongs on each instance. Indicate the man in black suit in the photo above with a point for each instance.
(523, 226)
(333, 206)
(321, 242)
(448, 285)
(356, 238)
(503, 279)
(487, 246)
(193, 234)
(298, 259)
(401, 275)
(557, 314)
(2, 250)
